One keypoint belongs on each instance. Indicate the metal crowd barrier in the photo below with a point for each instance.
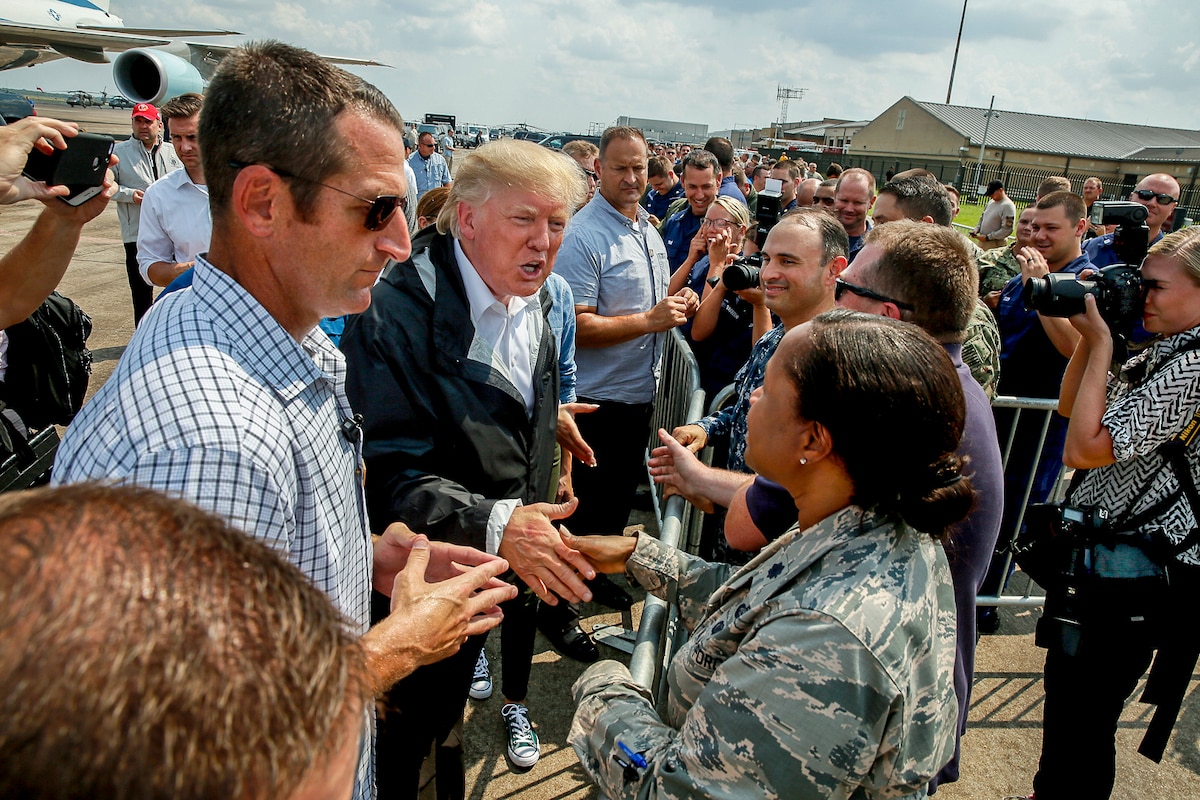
(1022, 406)
(680, 399)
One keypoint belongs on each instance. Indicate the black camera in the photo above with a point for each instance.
(1058, 557)
(1118, 212)
(1079, 522)
(1117, 289)
(767, 213)
(743, 273)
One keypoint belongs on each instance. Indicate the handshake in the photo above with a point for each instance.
(442, 594)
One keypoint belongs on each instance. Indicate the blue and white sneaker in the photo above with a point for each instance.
(523, 750)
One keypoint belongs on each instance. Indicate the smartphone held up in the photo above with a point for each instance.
(80, 167)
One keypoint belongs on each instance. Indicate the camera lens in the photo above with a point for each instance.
(738, 276)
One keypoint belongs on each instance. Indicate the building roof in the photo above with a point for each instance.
(1039, 133)
(819, 128)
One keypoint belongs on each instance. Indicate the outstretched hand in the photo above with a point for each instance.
(679, 469)
(534, 549)
(568, 434)
(445, 560)
(430, 621)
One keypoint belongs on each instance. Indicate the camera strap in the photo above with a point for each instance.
(1174, 455)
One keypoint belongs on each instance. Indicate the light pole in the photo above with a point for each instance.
(983, 145)
(957, 42)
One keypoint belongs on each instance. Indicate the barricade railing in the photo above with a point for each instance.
(1022, 407)
(679, 400)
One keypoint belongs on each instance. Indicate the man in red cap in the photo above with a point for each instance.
(144, 158)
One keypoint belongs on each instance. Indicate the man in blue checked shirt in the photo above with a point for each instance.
(229, 396)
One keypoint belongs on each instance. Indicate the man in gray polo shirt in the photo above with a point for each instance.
(616, 264)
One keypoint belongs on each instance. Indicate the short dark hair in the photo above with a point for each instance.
(275, 104)
(757, 169)
(722, 148)
(834, 241)
(792, 168)
(620, 132)
(930, 267)
(168, 654)
(1055, 183)
(918, 197)
(702, 160)
(834, 170)
(865, 374)
(1071, 204)
(181, 107)
(659, 166)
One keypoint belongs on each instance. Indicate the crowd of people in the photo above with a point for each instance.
(392, 401)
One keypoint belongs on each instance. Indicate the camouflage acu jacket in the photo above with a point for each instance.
(822, 669)
(996, 268)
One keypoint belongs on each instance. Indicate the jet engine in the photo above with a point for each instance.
(151, 76)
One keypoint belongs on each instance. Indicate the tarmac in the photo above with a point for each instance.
(999, 752)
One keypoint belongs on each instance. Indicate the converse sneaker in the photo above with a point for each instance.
(481, 684)
(523, 748)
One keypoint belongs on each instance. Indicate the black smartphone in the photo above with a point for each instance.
(80, 167)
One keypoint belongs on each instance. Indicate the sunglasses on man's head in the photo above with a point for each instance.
(840, 287)
(1162, 198)
(379, 211)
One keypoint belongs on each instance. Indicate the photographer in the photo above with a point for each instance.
(728, 323)
(1138, 571)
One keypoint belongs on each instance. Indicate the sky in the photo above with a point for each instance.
(571, 65)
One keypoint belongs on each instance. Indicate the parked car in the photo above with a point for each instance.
(120, 102)
(14, 107)
(80, 98)
(555, 141)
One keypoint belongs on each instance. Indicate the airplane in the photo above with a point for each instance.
(151, 65)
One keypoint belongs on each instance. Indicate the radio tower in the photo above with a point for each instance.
(783, 94)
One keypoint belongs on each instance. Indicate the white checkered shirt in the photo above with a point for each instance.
(214, 402)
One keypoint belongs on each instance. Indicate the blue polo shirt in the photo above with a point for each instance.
(1030, 366)
(657, 204)
(729, 188)
(617, 266)
(1101, 253)
(678, 233)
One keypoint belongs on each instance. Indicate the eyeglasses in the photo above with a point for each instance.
(840, 287)
(1162, 198)
(719, 224)
(823, 201)
(425, 144)
(380, 209)
(593, 177)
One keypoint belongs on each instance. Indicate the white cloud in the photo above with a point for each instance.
(567, 64)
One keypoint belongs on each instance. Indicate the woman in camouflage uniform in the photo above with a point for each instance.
(823, 668)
